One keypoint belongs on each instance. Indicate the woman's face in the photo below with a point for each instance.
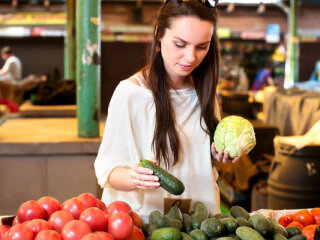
(185, 44)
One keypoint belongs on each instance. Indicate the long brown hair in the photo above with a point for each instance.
(205, 78)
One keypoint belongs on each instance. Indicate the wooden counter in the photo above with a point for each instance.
(27, 109)
(44, 156)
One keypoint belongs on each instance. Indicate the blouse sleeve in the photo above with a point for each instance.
(118, 147)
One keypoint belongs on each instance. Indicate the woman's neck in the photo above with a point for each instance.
(174, 82)
(181, 82)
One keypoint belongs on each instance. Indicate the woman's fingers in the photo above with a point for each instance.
(139, 169)
(154, 160)
(225, 157)
(143, 178)
(236, 159)
(222, 156)
(147, 185)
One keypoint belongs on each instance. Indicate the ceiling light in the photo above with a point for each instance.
(250, 1)
(230, 8)
(261, 9)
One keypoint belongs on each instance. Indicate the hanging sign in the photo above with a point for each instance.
(248, 35)
(224, 33)
(273, 33)
(35, 18)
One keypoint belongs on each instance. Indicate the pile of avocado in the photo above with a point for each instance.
(199, 225)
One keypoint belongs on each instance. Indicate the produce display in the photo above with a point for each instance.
(235, 135)
(304, 219)
(80, 218)
(167, 181)
(87, 218)
(237, 224)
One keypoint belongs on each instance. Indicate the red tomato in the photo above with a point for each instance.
(120, 225)
(38, 225)
(30, 210)
(101, 205)
(5, 236)
(92, 236)
(304, 217)
(297, 224)
(119, 206)
(88, 199)
(49, 204)
(137, 234)
(74, 206)
(75, 230)
(3, 229)
(60, 218)
(105, 235)
(309, 231)
(136, 219)
(15, 221)
(285, 220)
(48, 235)
(315, 213)
(20, 232)
(95, 217)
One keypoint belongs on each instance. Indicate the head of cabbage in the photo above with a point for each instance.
(234, 135)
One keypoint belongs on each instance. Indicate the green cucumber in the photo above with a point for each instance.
(157, 219)
(277, 228)
(222, 215)
(231, 224)
(167, 181)
(172, 222)
(200, 213)
(243, 222)
(261, 224)
(233, 236)
(197, 234)
(166, 233)
(185, 236)
(213, 227)
(175, 212)
(151, 229)
(246, 233)
(293, 231)
(187, 222)
(237, 211)
(279, 236)
(298, 237)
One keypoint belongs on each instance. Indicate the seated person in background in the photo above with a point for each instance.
(263, 78)
(12, 68)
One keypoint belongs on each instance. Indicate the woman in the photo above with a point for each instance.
(168, 111)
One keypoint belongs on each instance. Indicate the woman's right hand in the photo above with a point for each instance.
(222, 156)
(143, 178)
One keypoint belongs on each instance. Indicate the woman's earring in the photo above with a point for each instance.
(158, 48)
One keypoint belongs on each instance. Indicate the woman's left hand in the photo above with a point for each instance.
(222, 156)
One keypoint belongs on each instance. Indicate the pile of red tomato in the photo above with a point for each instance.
(306, 220)
(80, 218)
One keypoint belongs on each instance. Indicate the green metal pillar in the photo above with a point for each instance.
(88, 67)
(292, 66)
(70, 43)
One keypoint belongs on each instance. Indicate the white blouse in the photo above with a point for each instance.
(128, 137)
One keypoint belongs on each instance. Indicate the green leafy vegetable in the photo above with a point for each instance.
(234, 135)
